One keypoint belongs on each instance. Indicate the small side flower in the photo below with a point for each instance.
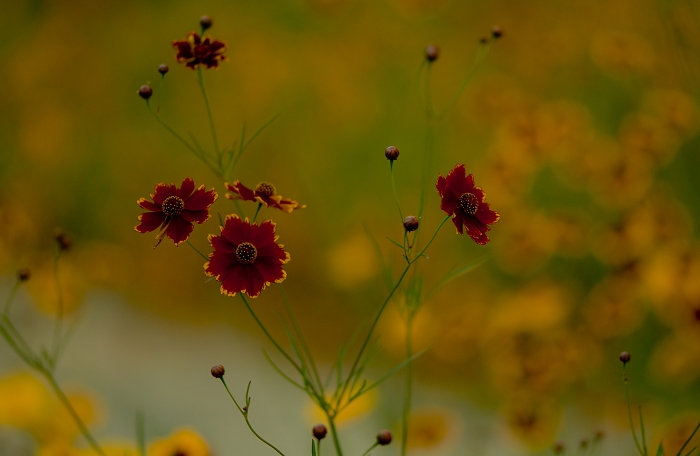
(246, 257)
(173, 210)
(264, 193)
(195, 50)
(465, 203)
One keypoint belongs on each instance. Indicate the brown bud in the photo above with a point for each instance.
(496, 32)
(218, 371)
(410, 223)
(391, 153)
(244, 408)
(432, 52)
(64, 241)
(599, 435)
(205, 22)
(583, 444)
(558, 448)
(23, 274)
(384, 437)
(483, 40)
(145, 92)
(319, 431)
(625, 357)
(163, 68)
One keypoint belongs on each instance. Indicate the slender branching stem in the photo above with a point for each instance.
(257, 211)
(334, 433)
(247, 421)
(211, 119)
(629, 410)
(10, 298)
(370, 448)
(58, 324)
(409, 384)
(393, 187)
(197, 250)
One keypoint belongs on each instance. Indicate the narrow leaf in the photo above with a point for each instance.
(395, 243)
(282, 374)
(660, 450)
(688, 441)
(644, 438)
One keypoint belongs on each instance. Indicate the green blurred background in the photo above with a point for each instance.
(580, 125)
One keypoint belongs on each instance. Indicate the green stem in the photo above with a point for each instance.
(393, 186)
(334, 434)
(197, 250)
(409, 384)
(16, 336)
(629, 412)
(429, 112)
(247, 421)
(269, 336)
(370, 448)
(11, 297)
(58, 325)
(318, 447)
(26, 357)
(257, 211)
(211, 119)
(78, 421)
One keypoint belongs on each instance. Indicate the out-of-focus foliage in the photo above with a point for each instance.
(581, 126)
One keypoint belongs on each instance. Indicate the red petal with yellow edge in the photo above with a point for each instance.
(144, 203)
(179, 229)
(163, 191)
(186, 188)
(150, 221)
(235, 230)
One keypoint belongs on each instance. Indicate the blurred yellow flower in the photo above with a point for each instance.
(433, 430)
(533, 420)
(352, 261)
(44, 290)
(614, 307)
(357, 409)
(674, 433)
(23, 400)
(622, 54)
(183, 442)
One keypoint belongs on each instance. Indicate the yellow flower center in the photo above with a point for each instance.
(469, 203)
(265, 189)
(246, 252)
(173, 205)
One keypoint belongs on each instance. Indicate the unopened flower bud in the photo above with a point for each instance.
(391, 153)
(145, 92)
(163, 68)
(384, 437)
(218, 371)
(432, 52)
(483, 40)
(558, 448)
(245, 408)
(625, 357)
(205, 22)
(319, 431)
(496, 32)
(410, 223)
(23, 274)
(64, 241)
(599, 435)
(583, 444)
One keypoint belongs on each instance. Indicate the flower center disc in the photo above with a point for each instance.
(173, 205)
(246, 252)
(469, 203)
(265, 189)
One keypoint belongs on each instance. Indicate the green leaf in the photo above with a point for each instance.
(395, 243)
(457, 273)
(644, 438)
(242, 146)
(282, 374)
(660, 450)
(688, 441)
(313, 448)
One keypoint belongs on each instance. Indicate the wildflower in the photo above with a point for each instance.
(246, 257)
(194, 51)
(182, 442)
(319, 431)
(465, 202)
(264, 193)
(410, 223)
(173, 210)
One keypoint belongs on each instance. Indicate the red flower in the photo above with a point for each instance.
(174, 210)
(246, 257)
(264, 193)
(465, 202)
(194, 50)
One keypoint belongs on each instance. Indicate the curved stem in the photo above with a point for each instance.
(257, 211)
(334, 434)
(247, 421)
(211, 119)
(78, 421)
(393, 186)
(409, 384)
(11, 297)
(370, 448)
(629, 412)
(197, 250)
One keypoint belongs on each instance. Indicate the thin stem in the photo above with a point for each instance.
(370, 448)
(300, 335)
(318, 447)
(334, 434)
(78, 421)
(211, 119)
(269, 336)
(11, 297)
(17, 337)
(429, 112)
(197, 250)
(58, 325)
(247, 421)
(629, 412)
(27, 358)
(393, 186)
(409, 384)
(257, 211)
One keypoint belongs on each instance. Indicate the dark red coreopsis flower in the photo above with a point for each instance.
(246, 257)
(264, 193)
(173, 210)
(194, 50)
(465, 203)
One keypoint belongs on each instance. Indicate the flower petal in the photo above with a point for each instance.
(221, 264)
(150, 221)
(449, 202)
(179, 229)
(221, 244)
(240, 191)
(201, 199)
(271, 271)
(195, 216)
(263, 234)
(458, 222)
(149, 206)
(486, 215)
(235, 230)
(163, 191)
(441, 184)
(186, 188)
(476, 230)
(272, 253)
(457, 180)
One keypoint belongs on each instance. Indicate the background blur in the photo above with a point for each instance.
(581, 126)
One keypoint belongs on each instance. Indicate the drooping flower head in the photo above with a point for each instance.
(194, 50)
(465, 203)
(173, 210)
(264, 193)
(246, 257)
